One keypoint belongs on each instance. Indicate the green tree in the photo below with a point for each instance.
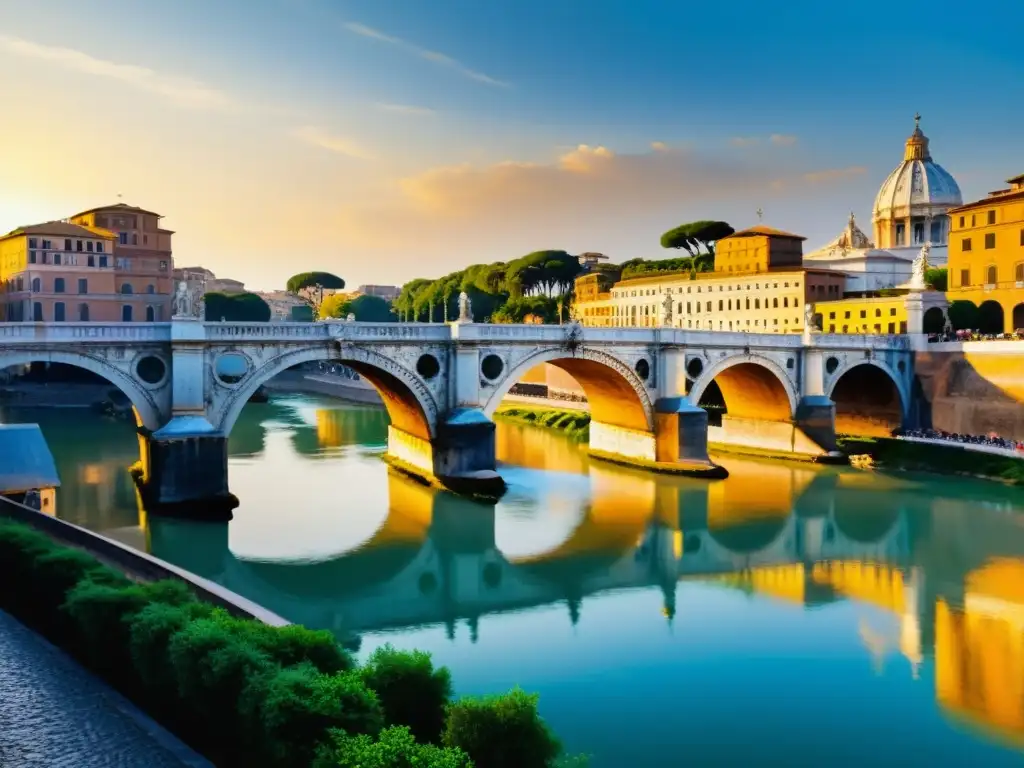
(937, 278)
(236, 307)
(310, 286)
(696, 234)
(367, 309)
(963, 315)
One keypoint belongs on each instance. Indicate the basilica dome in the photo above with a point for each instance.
(910, 206)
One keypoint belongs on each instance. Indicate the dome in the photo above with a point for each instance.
(918, 186)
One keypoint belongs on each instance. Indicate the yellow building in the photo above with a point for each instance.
(759, 286)
(986, 257)
(882, 314)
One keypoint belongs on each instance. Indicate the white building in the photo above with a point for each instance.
(909, 211)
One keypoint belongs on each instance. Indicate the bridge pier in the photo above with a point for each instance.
(461, 456)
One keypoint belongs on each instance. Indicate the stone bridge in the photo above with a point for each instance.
(441, 383)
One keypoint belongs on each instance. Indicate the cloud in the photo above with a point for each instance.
(659, 146)
(588, 193)
(425, 54)
(834, 174)
(776, 139)
(782, 139)
(341, 145)
(404, 109)
(180, 91)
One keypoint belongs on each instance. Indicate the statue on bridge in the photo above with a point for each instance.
(182, 300)
(666, 306)
(920, 269)
(465, 308)
(810, 326)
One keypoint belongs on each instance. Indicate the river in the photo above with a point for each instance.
(790, 615)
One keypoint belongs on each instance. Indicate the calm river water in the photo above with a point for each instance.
(791, 615)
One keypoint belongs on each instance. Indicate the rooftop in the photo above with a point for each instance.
(119, 207)
(25, 459)
(676, 276)
(763, 231)
(1000, 196)
(60, 229)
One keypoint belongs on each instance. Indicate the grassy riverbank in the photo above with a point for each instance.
(574, 424)
(889, 453)
(243, 693)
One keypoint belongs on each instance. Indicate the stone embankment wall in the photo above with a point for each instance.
(974, 390)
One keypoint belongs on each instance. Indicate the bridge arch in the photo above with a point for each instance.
(147, 409)
(410, 405)
(870, 398)
(752, 386)
(615, 392)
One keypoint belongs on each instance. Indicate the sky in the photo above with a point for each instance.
(385, 140)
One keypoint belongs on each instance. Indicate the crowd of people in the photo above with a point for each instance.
(969, 335)
(990, 440)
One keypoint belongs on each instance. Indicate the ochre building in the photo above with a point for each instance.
(986, 257)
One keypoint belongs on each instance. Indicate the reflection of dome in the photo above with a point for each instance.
(910, 205)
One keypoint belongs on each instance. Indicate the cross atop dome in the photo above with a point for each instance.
(917, 144)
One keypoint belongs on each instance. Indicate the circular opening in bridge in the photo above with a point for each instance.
(428, 583)
(831, 364)
(643, 369)
(901, 367)
(151, 369)
(231, 367)
(492, 366)
(427, 366)
(694, 367)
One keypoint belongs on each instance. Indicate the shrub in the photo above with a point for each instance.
(394, 748)
(150, 633)
(294, 644)
(410, 690)
(501, 731)
(19, 547)
(293, 709)
(54, 574)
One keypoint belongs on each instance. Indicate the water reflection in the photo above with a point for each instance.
(588, 569)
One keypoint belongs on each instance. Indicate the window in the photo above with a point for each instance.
(918, 233)
(103, 261)
(150, 314)
(757, 303)
(31, 257)
(92, 261)
(892, 328)
(21, 283)
(56, 258)
(991, 275)
(58, 285)
(775, 303)
(878, 313)
(846, 316)
(126, 313)
(961, 222)
(37, 284)
(709, 306)
(83, 285)
(1022, 237)
(33, 243)
(687, 307)
(126, 288)
(846, 329)
(47, 245)
(721, 305)
(150, 288)
(936, 233)
(831, 315)
(145, 239)
(37, 312)
(972, 219)
(965, 277)
(67, 244)
(135, 239)
(892, 311)
(991, 217)
(990, 240)
(901, 235)
(83, 313)
(88, 246)
(832, 328)
(99, 247)
(965, 244)
(123, 238)
(58, 312)
(1018, 273)
(785, 301)
(78, 245)
(863, 313)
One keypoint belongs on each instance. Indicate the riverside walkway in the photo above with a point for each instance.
(53, 713)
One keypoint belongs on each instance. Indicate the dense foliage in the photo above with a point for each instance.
(937, 278)
(575, 424)
(546, 276)
(244, 693)
(693, 236)
(310, 286)
(367, 309)
(236, 307)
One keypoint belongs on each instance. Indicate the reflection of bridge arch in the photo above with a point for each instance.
(410, 404)
(753, 387)
(615, 393)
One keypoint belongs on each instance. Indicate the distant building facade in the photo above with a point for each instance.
(386, 292)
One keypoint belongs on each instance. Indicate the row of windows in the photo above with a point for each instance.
(876, 328)
(66, 259)
(935, 232)
(863, 314)
(990, 219)
(992, 275)
(59, 285)
(47, 245)
(724, 305)
(60, 313)
(723, 325)
(711, 289)
(990, 241)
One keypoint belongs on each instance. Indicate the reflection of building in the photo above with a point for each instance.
(986, 260)
(909, 211)
(143, 264)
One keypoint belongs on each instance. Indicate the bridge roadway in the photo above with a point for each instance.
(441, 383)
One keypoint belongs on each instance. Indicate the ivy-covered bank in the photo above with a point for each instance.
(246, 694)
(889, 453)
(575, 424)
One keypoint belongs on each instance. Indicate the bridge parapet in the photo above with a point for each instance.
(77, 333)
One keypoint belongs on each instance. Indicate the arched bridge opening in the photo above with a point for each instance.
(868, 402)
(747, 390)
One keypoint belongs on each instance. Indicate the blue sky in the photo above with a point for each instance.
(389, 139)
